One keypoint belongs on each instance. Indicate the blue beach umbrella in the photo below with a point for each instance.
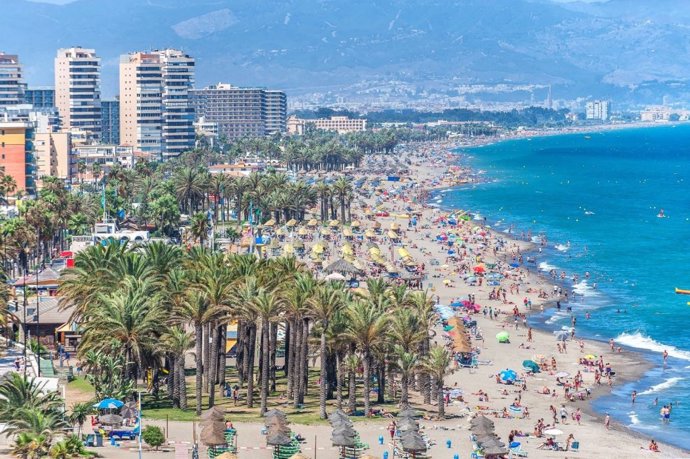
(109, 404)
(508, 375)
(515, 265)
(562, 335)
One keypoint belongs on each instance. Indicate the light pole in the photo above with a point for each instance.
(24, 324)
(38, 304)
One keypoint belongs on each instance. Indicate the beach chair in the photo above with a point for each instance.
(518, 451)
(575, 446)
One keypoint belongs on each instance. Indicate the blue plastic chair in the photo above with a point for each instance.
(575, 446)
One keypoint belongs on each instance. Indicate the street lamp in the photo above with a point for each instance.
(38, 306)
(24, 324)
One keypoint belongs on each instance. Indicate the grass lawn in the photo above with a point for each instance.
(309, 414)
(80, 384)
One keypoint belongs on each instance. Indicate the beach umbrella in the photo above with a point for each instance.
(342, 266)
(297, 456)
(539, 358)
(503, 337)
(508, 375)
(129, 410)
(278, 437)
(110, 419)
(302, 232)
(312, 223)
(591, 357)
(271, 222)
(213, 414)
(562, 374)
(562, 336)
(531, 365)
(481, 430)
(355, 224)
(483, 420)
(227, 455)
(292, 222)
(109, 404)
(553, 432)
(489, 441)
(479, 269)
(335, 277)
(447, 281)
(495, 451)
(408, 413)
(213, 435)
(412, 442)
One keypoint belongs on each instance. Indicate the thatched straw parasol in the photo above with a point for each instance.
(213, 435)
(481, 420)
(212, 415)
(227, 455)
(278, 437)
(341, 266)
(412, 442)
(299, 456)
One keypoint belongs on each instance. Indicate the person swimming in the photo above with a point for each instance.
(661, 213)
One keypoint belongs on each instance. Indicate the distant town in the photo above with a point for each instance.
(63, 131)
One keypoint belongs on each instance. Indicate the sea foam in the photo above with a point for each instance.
(544, 266)
(561, 247)
(640, 341)
(670, 382)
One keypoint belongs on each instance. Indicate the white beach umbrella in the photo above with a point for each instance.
(553, 432)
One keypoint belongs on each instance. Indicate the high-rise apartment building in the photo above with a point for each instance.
(77, 89)
(40, 97)
(156, 114)
(53, 152)
(110, 122)
(16, 154)
(276, 112)
(598, 110)
(241, 112)
(11, 85)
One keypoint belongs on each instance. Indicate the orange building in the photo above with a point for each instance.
(16, 154)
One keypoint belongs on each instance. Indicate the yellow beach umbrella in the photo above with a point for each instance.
(403, 216)
(288, 249)
(271, 222)
(377, 225)
(325, 231)
(318, 248)
(313, 222)
(291, 223)
(447, 281)
(358, 264)
(280, 232)
(355, 224)
(302, 232)
(395, 226)
(402, 251)
(334, 223)
(390, 268)
(370, 234)
(393, 235)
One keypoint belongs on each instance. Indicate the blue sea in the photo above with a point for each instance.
(597, 198)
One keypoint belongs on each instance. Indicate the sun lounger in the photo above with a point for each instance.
(575, 446)
(517, 451)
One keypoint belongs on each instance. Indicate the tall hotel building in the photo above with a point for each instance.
(241, 112)
(11, 86)
(77, 90)
(156, 114)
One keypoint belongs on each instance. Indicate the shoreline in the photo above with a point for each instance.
(638, 363)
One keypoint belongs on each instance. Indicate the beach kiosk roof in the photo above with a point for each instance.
(342, 266)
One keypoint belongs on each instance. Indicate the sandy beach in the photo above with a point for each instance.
(513, 407)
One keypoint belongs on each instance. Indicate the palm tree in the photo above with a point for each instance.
(79, 415)
(189, 184)
(407, 362)
(177, 342)
(367, 326)
(342, 188)
(29, 445)
(352, 363)
(196, 310)
(17, 393)
(131, 317)
(268, 307)
(200, 227)
(437, 366)
(326, 302)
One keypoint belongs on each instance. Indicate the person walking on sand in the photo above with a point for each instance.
(529, 335)
(564, 415)
(607, 422)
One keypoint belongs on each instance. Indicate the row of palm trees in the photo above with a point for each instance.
(153, 305)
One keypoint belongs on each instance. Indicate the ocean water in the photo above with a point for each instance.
(596, 197)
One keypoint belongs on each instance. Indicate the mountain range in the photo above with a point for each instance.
(633, 49)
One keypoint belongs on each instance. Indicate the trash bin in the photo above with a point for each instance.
(99, 440)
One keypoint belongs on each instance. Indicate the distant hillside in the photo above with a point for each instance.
(312, 45)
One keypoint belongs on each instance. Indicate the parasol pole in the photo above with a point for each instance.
(139, 419)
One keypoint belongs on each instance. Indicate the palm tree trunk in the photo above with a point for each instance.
(222, 356)
(289, 357)
(305, 362)
(367, 383)
(295, 372)
(342, 210)
(338, 381)
(441, 402)
(250, 367)
(352, 392)
(181, 383)
(324, 380)
(199, 331)
(173, 391)
(207, 356)
(273, 351)
(404, 385)
(214, 365)
(265, 362)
